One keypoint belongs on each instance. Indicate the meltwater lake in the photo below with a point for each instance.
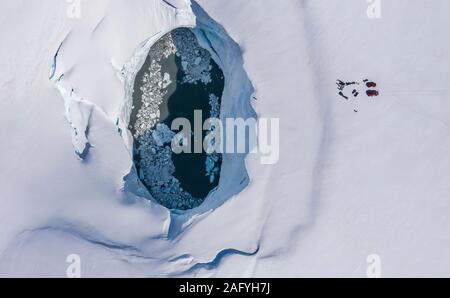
(178, 78)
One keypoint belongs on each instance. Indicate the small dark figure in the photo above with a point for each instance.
(340, 85)
(342, 94)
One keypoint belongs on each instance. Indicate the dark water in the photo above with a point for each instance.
(181, 100)
(190, 168)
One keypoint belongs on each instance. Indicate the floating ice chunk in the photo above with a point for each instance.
(209, 164)
(162, 135)
(215, 106)
(212, 168)
(166, 80)
(184, 64)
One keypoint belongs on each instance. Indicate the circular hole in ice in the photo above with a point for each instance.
(179, 79)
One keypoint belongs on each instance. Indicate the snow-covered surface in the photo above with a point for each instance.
(347, 184)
